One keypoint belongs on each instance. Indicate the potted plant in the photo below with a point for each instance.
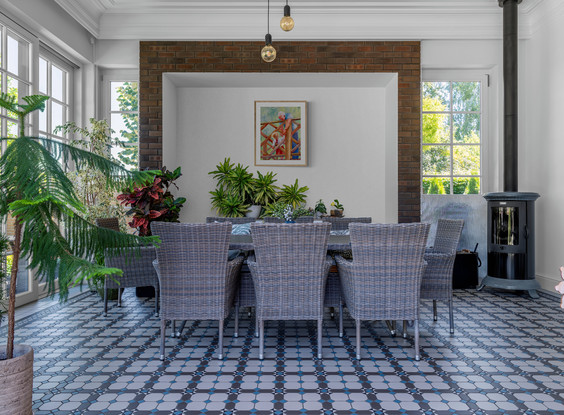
(153, 201)
(90, 185)
(37, 193)
(338, 211)
(286, 212)
(320, 209)
(239, 193)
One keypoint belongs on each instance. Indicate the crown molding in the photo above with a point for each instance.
(315, 19)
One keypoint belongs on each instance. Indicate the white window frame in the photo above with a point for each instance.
(116, 75)
(484, 76)
(68, 101)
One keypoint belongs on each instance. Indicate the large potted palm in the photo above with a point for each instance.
(37, 194)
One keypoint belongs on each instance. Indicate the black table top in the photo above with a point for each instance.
(245, 242)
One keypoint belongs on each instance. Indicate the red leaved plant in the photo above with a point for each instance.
(153, 201)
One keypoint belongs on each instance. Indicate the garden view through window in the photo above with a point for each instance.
(451, 145)
(124, 120)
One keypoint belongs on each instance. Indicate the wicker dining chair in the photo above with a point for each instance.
(289, 272)
(136, 264)
(196, 279)
(342, 224)
(382, 281)
(437, 279)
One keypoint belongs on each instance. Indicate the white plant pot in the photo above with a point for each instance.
(254, 211)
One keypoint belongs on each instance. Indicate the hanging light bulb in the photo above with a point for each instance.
(268, 53)
(287, 23)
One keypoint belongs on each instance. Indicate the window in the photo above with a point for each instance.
(451, 155)
(15, 77)
(124, 120)
(55, 80)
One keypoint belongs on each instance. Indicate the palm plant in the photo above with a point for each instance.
(266, 191)
(38, 195)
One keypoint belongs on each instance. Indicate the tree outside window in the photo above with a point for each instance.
(124, 120)
(451, 145)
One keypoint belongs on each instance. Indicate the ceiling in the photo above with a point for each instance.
(315, 19)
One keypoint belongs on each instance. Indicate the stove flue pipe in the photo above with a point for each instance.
(510, 94)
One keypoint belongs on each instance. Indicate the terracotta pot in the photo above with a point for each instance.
(16, 381)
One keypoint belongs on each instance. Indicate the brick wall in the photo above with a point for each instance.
(397, 57)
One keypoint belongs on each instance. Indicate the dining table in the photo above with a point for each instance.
(335, 243)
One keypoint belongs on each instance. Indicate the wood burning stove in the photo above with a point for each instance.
(511, 214)
(511, 241)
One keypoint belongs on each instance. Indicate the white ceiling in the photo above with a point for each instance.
(315, 19)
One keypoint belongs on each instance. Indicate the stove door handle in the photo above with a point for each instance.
(526, 232)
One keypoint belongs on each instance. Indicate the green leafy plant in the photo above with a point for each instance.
(293, 195)
(37, 193)
(90, 185)
(153, 201)
(320, 207)
(266, 191)
(283, 210)
(337, 205)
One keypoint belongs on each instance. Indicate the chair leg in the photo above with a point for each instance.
(451, 315)
(392, 327)
(256, 324)
(181, 328)
(173, 326)
(261, 339)
(236, 333)
(341, 320)
(357, 322)
(435, 310)
(120, 293)
(405, 329)
(105, 302)
(332, 312)
(319, 335)
(163, 335)
(156, 301)
(220, 341)
(416, 337)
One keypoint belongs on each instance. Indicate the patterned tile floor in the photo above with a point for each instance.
(506, 357)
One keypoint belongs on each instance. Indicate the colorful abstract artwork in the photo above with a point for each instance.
(280, 133)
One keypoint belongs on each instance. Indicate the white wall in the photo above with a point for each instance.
(349, 140)
(541, 143)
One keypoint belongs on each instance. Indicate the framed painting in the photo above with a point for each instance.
(280, 133)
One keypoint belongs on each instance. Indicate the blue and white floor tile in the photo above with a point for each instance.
(506, 357)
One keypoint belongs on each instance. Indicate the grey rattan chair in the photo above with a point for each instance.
(234, 221)
(437, 279)
(383, 280)
(197, 281)
(342, 224)
(137, 267)
(290, 273)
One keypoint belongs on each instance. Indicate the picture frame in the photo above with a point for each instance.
(281, 133)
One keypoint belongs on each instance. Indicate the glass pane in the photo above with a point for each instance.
(22, 283)
(56, 115)
(436, 160)
(1, 44)
(466, 160)
(12, 131)
(466, 96)
(466, 185)
(505, 225)
(13, 51)
(43, 120)
(436, 186)
(126, 132)
(124, 96)
(436, 128)
(57, 83)
(43, 76)
(436, 96)
(466, 128)
(17, 89)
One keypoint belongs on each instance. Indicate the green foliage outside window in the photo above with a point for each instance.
(451, 138)
(128, 102)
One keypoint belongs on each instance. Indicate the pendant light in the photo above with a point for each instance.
(287, 23)
(268, 53)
